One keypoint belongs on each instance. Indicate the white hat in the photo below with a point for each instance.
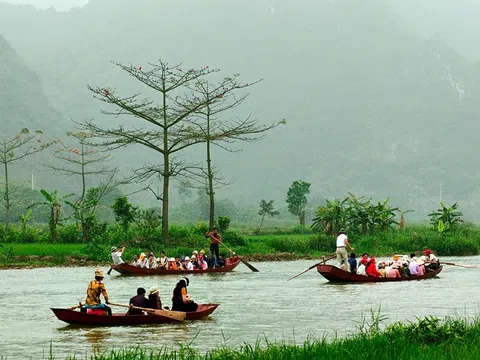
(195, 252)
(193, 257)
(154, 290)
(187, 258)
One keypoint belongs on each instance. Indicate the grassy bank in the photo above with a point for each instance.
(465, 240)
(425, 339)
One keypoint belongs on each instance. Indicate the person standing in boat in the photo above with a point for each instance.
(181, 301)
(342, 244)
(117, 255)
(215, 240)
(94, 290)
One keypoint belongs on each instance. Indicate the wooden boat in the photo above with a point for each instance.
(126, 269)
(335, 274)
(121, 319)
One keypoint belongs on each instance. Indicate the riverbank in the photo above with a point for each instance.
(425, 339)
(463, 241)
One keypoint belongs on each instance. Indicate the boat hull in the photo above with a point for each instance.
(76, 317)
(335, 274)
(126, 269)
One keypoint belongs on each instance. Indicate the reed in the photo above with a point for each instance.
(424, 339)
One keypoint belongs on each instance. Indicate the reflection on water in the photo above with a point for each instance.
(253, 306)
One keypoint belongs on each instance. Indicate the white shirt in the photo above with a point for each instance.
(341, 240)
(189, 265)
(143, 263)
(361, 270)
(117, 258)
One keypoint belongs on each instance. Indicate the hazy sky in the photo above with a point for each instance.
(61, 5)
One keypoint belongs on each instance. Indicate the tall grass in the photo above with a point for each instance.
(424, 339)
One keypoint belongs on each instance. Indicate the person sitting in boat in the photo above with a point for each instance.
(181, 301)
(362, 267)
(154, 301)
(142, 261)
(194, 261)
(413, 265)
(94, 290)
(171, 264)
(163, 261)
(342, 244)
(188, 264)
(421, 267)
(139, 301)
(152, 261)
(393, 271)
(134, 262)
(381, 269)
(221, 261)
(117, 255)
(202, 264)
(371, 269)
(352, 262)
(431, 262)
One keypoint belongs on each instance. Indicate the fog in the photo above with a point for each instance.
(381, 97)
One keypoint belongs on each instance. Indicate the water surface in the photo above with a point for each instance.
(253, 305)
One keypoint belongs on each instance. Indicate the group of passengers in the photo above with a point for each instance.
(197, 261)
(181, 301)
(400, 266)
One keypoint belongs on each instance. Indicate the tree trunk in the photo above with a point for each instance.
(166, 182)
(211, 192)
(261, 223)
(302, 217)
(7, 201)
(82, 197)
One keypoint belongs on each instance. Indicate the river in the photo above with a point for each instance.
(253, 306)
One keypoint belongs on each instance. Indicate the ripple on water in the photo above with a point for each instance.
(253, 305)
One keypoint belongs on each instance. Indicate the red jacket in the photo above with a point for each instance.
(372, 270)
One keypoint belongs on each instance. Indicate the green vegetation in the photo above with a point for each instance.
(424, 339)
(32, 247)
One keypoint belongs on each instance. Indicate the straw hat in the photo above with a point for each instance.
(98, 273)
(154, 290)
(142, 256)
(420, 262)
(113, 248)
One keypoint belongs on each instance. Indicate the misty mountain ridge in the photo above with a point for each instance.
(371, 108)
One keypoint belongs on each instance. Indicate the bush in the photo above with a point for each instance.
(69, 234)
(233, 238)
(286, 244)
(321, 243)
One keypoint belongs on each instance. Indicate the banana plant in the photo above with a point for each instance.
(53, 202)
(445, 218)
(24, 219)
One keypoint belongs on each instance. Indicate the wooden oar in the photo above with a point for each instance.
(109, 270)
(311, 267)
(460, 265)
(250, 266)
(174, 315)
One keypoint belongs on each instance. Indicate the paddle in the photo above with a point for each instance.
(311, 267)
(460, 265)
(250, 266)
(174, 315)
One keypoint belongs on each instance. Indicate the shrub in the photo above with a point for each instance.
(321, 243)
(233, 238)
(286, 244)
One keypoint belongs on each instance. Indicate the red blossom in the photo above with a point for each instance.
(140, 68)
(107, 92)
(179, 69)
(206, 67)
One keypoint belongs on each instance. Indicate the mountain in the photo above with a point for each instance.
(371, 107)
(22, 101)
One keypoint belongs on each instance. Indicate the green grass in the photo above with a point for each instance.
(425, 339)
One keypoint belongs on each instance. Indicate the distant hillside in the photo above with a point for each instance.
(22, 101)
(371, 108)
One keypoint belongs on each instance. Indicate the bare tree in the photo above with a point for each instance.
(83, 161)
(158, 127)
(219, 98)
(14, 149)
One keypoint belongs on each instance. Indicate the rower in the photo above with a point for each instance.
(95, 288)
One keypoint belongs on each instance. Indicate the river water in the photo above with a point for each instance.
(253, 306)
